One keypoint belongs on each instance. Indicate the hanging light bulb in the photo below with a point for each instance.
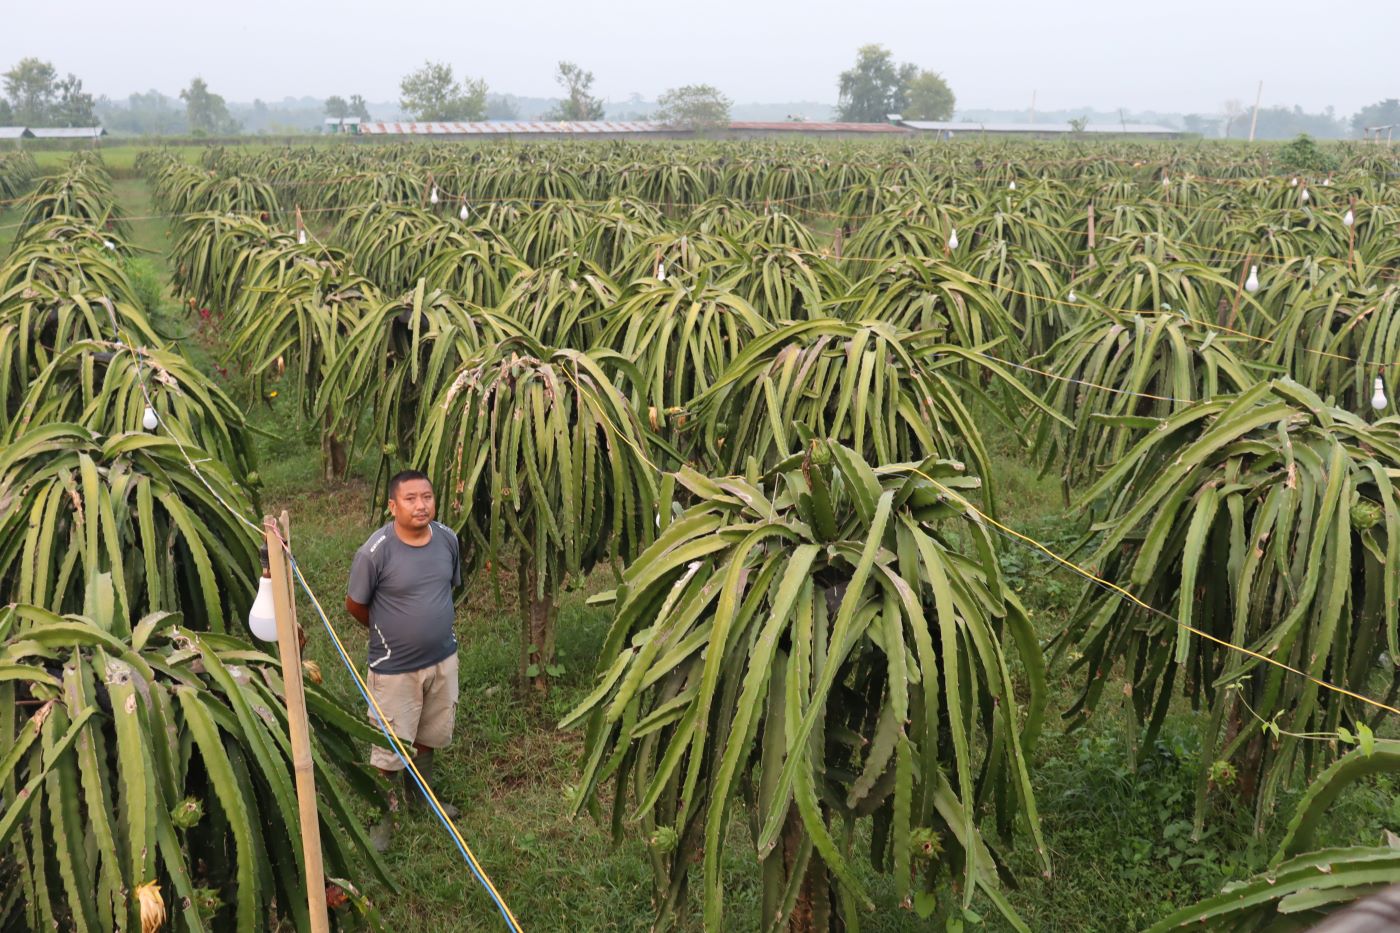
(1012, 186)
(301, 237)
(1378, 399)
(433, 196)
(1304, 196)
(661, 271)
(1166, 182)
(149, 421)
(1327, 182)
(1072, 297)
(1294, 182)
(953, 239)
(463, 213)
(262, 618)
(1251, 284)
(109, 244)
(1348, 218)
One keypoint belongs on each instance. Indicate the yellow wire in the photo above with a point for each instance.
(1152, 609)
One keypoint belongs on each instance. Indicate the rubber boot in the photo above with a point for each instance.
(424, 762)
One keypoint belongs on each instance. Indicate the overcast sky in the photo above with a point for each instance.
(1186, 55)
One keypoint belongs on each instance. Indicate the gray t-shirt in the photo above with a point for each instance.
(408, 591)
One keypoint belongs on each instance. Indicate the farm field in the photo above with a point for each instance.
(870, 533)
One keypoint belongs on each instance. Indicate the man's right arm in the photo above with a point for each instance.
(359, 611)
(363, 577)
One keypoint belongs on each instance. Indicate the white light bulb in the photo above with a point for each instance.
(1378, 399)
(1166, 182)
(1304, 196)
(1251, 284)
(109, 244)
(262, 618)
(1294, 182)
(1012, 186)
(661, 271)
(149, 421)
(953, 239)
(1348, 218)
(301, 237)
(1326, 182)
(1072, 297)
(433, 196)
(463, 212)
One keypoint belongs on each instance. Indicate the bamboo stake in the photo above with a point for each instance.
(288, 647)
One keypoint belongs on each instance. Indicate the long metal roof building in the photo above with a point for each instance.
(67, 132)
(948, 128)
(622, 128)
(514, 127)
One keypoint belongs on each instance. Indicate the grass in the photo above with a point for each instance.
(1116, 820)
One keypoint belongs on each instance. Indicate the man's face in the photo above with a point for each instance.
(412, 504)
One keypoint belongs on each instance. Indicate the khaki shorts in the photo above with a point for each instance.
(420, 705)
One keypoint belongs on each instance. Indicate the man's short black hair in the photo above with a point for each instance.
(404, 476)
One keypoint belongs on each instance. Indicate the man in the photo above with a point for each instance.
(401, 585)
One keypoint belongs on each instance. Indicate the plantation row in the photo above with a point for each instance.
(141, 745)
(16, 170)
(855, 177)
(767, 414)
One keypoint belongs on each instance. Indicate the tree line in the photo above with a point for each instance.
(873, 88)
(433, 93)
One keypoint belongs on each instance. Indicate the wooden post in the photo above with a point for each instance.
(277, 531)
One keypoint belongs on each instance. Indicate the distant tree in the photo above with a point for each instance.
(928, 97)
(432, 93)
(358, 107)
(502, 107)
(1232, 111)
(874, 87)
(1381, 113)
(1286, 122)
(580, 104)
(694, 106)
(73, 106)
(337, 108)
(149, 114)
(7, 113)
(1200, 124)
(30, 87)
(206, 111)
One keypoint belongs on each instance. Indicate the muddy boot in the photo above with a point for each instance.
(424, 762)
